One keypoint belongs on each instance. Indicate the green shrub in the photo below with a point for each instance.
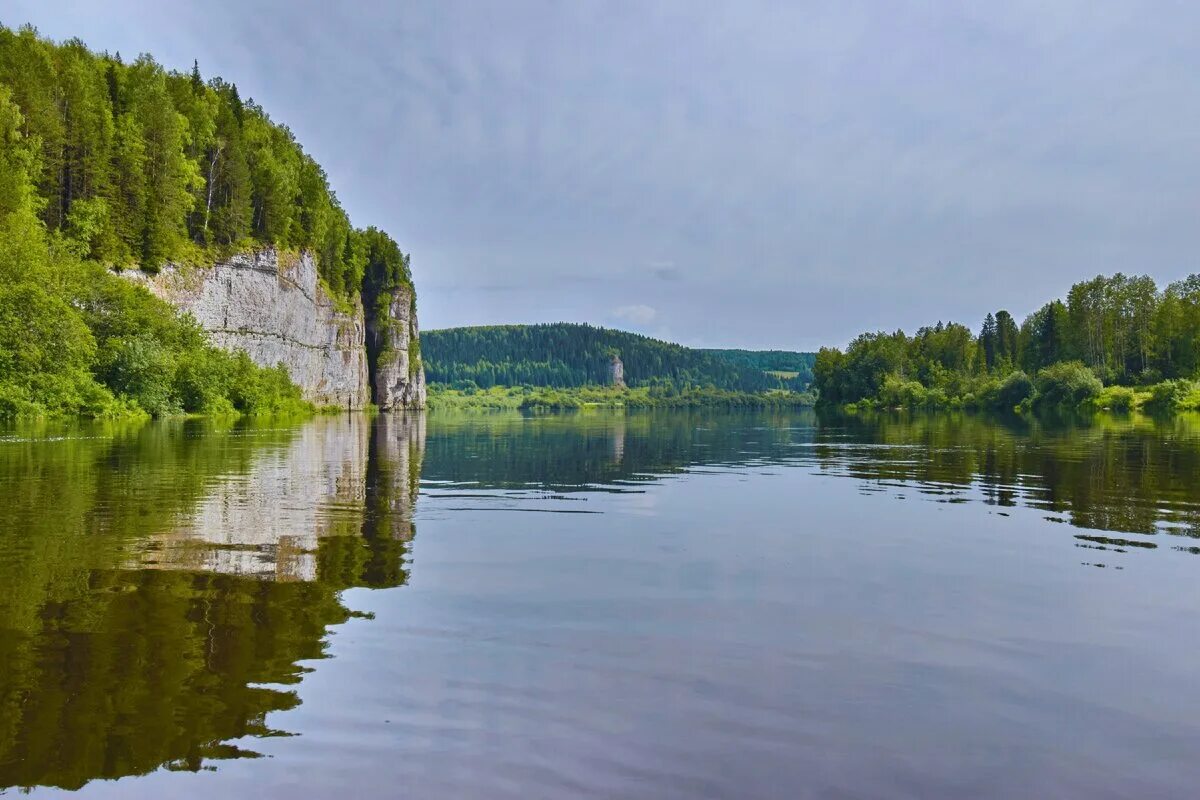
(1016, 389)
(143, 369)
(896, 392)
(1116, 398)
(1168, 395)
(1068, 383)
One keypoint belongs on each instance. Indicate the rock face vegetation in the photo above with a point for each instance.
(109, 166)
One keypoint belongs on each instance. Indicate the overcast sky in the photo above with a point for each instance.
(722, 173)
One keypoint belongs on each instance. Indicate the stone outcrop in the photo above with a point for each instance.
(616, 372)
(397, 378)
(272, 306)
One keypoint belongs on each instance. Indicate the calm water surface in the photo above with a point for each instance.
(667, 605)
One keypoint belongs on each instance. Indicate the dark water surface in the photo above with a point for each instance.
(666, 605)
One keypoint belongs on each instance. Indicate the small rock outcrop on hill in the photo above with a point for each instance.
(616, 372)
(272, 306)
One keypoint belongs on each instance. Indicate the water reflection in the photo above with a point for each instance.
(1128, 474)
(163, 582)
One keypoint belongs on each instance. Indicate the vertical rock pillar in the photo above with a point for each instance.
(394, 351)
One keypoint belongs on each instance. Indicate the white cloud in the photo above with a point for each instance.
(635, 314)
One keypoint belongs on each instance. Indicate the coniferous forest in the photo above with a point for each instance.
(1115, 342)
(108, 164)
(565, 355)
(794, 368)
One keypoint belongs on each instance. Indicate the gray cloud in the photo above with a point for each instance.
(812, 169)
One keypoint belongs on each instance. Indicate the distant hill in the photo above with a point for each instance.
(569, 354)
(792, 367)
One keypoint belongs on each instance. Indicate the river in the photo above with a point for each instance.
(661, 605)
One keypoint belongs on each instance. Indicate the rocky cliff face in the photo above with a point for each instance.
(397, 377)
(274, 308)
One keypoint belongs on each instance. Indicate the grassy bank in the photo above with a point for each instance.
(527, 398)
(1066, 386)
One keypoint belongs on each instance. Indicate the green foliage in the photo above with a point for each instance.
(1066, 384)
(1014, 390)
(1118, 398)
(1118, 330)
(144, 368)
(137, 165)
(468, 397)
(109, 165)
(567, 355)
(77, 339)
(797, 366)
(1174, 395)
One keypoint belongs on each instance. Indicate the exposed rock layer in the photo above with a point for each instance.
(392, 338)
(275, 309)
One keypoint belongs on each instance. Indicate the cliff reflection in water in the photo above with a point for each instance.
(162, 582)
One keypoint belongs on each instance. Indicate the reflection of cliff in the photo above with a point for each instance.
(212, 566)
(267, 520)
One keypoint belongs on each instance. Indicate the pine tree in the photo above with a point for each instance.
(988, 341)
(1006, 338)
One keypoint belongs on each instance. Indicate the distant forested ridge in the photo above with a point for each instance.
(564, 355)
(107, 164)
(794, 368)
(1114, 342)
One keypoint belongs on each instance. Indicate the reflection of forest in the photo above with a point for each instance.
(1132, 474)
(156, 577)
(602, 450)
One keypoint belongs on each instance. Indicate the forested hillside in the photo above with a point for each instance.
(107, 164)
(795, 369)
(1120, 331)
(568, 355)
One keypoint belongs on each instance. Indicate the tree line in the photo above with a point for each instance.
(564, 355)
(1119, 330)
(106, 165)
(778, 361)
(141, 166)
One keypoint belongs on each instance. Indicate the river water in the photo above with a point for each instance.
(657, 605)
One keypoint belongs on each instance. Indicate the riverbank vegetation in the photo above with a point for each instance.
(107, 165)
(530, 398)
(1115, 343)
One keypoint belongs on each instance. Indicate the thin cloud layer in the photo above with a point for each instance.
(637, 315)
(771, 175)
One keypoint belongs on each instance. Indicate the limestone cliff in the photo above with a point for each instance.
(393, 346)
(272, 306)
